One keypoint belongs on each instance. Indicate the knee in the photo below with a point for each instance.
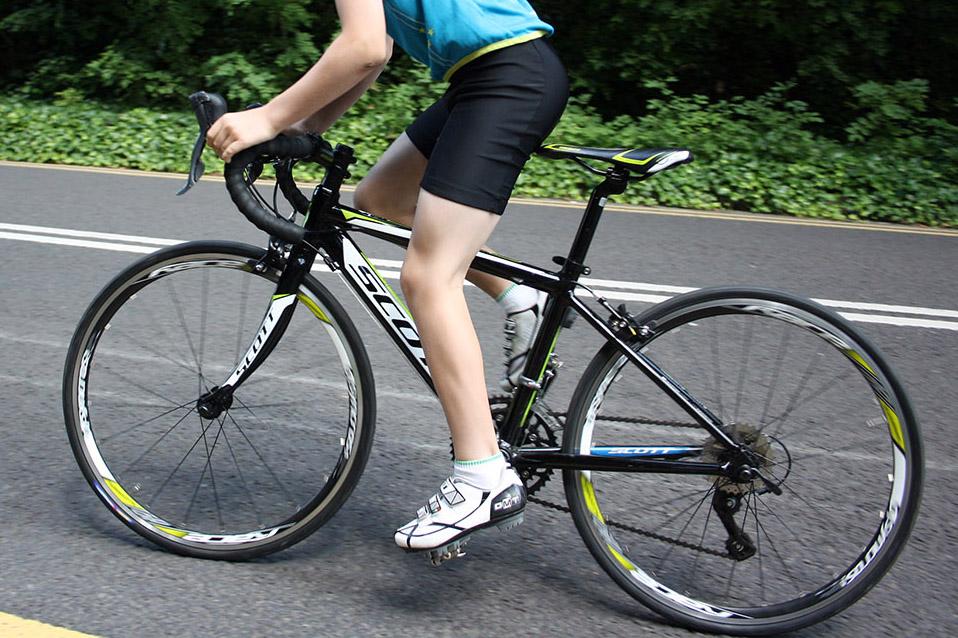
(425, 280)
(412, 278)
(364, 198)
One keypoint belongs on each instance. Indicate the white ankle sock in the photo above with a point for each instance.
(517, 298)
(482, 473)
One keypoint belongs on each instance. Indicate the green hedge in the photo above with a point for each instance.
(757, 155)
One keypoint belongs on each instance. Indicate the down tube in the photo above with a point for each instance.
(384, 305)
(670, 386)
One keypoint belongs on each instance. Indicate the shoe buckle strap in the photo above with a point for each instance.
(451, 493)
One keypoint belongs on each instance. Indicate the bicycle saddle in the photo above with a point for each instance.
(635, 160)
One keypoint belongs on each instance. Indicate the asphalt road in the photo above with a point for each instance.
(65, 560)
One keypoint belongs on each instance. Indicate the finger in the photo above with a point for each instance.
(222, 132)
(232, 149)
(222, 144)
(215, 129)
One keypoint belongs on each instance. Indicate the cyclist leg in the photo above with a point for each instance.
(391, 190)
(446, 236)
(483, 491)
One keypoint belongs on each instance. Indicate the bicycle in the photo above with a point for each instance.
(217, 430)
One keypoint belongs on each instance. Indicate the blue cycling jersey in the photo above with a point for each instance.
(446, 34)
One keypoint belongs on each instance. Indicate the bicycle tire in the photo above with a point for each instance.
(655, 558)
(267, 472)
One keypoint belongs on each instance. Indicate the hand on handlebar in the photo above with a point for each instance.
(235, 132)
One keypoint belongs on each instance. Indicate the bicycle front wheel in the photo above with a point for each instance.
(820, 408)
(269, 468)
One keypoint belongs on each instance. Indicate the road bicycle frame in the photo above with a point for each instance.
(328, 226)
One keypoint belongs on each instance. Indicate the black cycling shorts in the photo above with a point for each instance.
(496, 112)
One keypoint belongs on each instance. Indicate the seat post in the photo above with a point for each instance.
(615, 183)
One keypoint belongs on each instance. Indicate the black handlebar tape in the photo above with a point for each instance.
(284, 177)
(282, 147)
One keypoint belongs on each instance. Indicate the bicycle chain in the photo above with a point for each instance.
(634, 530)
(629, 528)
(501, 401)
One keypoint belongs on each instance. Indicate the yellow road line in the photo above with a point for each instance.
(16, 627)
(558, 203)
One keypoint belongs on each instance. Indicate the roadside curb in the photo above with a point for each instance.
(724, 215)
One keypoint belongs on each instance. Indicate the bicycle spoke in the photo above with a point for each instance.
(677, 498)
(695, 561)
(820, 391)
(180, 464)
(126, 379)
(157, 442)
(684, 527)
(239, 472)
(747, 348)
(793, 401)
(281, 485)
(758, 546)
(717, 370)
(241, 320)
(209, 466)
(106, 438)
(768, 537)
(162, 355)
(780, 359)
(179, 313)
(205, 296)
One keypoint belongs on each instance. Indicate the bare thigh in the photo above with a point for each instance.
(391, 188)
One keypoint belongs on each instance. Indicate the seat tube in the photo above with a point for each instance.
(572, 268)
(615, 183)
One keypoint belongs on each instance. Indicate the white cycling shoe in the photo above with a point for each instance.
(457, 510)
(520, 330)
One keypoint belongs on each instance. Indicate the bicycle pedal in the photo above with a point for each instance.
(511, 523)
(440, 555)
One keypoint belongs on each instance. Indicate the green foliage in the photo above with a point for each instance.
(761, 155)
(150, 52)
(722, 48)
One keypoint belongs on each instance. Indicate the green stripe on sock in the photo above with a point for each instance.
(506, 292)
(478, 461)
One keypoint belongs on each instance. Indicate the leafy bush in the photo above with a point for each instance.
(718, 48)
(757, 155)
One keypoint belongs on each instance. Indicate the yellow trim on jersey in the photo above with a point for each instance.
(495, 46)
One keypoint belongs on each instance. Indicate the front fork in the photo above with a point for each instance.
(275, 321)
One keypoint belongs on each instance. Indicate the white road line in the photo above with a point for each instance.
(609, 288)
(908, 310)
(81, 243)
(69, 232)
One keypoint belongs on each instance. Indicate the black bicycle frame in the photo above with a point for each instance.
(328, 226)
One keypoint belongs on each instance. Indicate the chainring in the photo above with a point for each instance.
(542, 430)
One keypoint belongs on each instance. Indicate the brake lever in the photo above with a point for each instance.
(208, 107)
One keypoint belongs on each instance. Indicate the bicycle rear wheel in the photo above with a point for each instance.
(270, 468)
(814, 399)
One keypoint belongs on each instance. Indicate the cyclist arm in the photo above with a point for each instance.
(357, 52)
(324, 118)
